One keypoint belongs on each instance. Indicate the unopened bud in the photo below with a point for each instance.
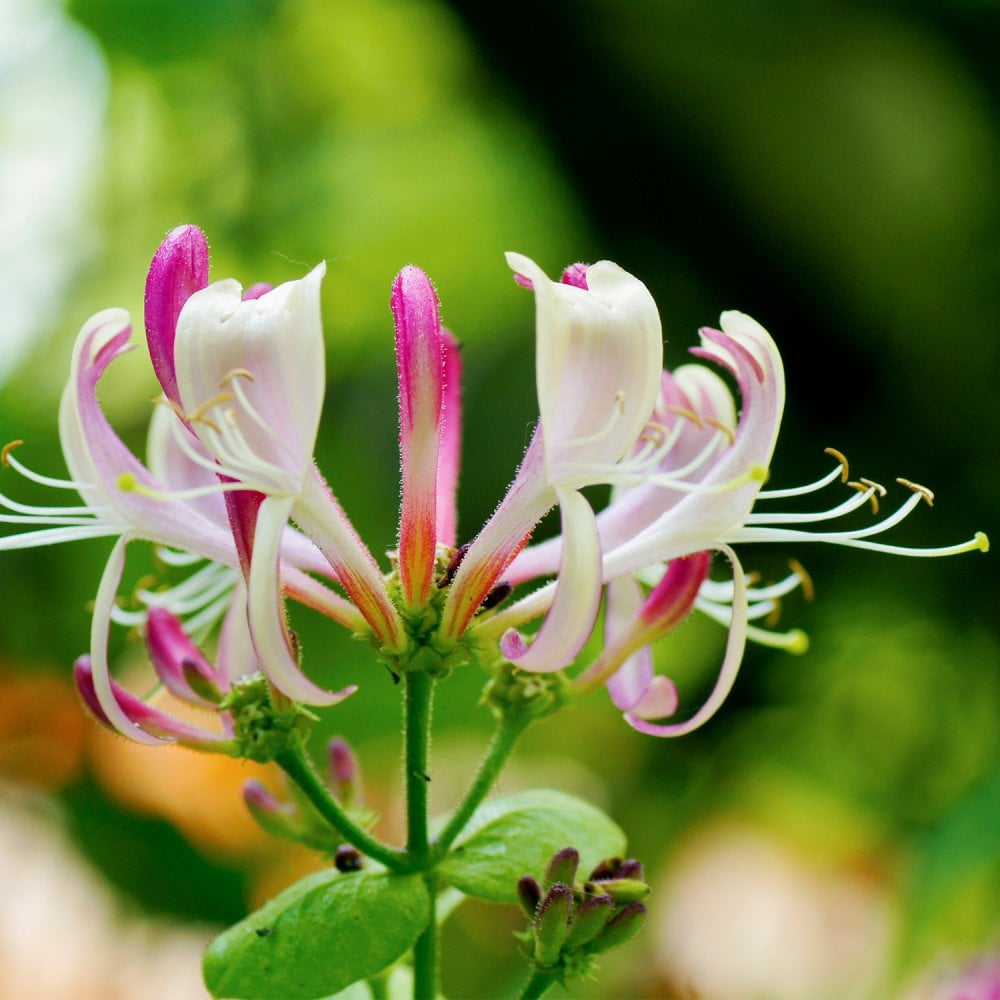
(621, 890)
(530, 895)
(562, 867)
(589, 920)
(344, 774)
(552, 924)
(608, 868)
(276, 817)
(623, 926)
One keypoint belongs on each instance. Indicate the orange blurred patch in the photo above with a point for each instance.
(41, 729)
(199, 793)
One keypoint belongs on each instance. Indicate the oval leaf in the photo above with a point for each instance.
(516, 835)
(318, 936)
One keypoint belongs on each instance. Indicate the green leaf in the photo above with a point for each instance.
(318, 936)
(516, 835)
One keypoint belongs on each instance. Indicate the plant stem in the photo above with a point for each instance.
(296, 764)
(500, 748)
(538, 985)
(417, 740)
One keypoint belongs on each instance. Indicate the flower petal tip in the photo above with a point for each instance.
(512, 645)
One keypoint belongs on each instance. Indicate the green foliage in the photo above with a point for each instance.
(318, 936)
(517, 834)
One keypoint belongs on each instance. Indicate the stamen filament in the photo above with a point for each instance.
(798, 491)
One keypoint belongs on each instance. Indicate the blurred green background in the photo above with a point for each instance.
(831, 168)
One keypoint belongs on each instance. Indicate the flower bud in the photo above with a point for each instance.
(620, 928)
(621, 890)
(562, 867)
(552, 925)
(344, 774)
(530, 895)
(589, 920)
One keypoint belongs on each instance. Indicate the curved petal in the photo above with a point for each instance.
(632, 679)
(275, 343)
(98, 459)
(735, 644)
(101, 620)
(577, 598)
(266, 612)
(179, 269)
(700, 519)
(598, 359)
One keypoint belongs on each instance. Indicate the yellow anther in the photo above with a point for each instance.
(805, 580)
(7, 449)
(680, 411)
(753, 578)
(654, 431)
(877, 487)
(865, 486)
(199, 413)
(720, 426)
(982, 541)
(845, 469)
(235, 373)
(927, 494)
(774, 615)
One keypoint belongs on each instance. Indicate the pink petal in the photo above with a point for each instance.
(174, 656)
(420, 364)
(178, 270)
(449, 457)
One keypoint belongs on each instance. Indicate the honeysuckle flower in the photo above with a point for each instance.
(599, 355)
(702, 498)
(248, 372)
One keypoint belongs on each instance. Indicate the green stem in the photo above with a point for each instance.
(417, 739)
(500, 749)
(299, 768)
(538, 985)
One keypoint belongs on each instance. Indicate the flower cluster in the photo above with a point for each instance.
(231, 493)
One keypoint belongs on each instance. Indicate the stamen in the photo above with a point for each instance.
(775, 615)
(868, 489)
(845, 469)
(797, 491)
(234, 374)
(7, 449)
(877, 487)
(682, 411)
(927, 494)
(199, 414)
(618, 409)
(808, 590)
(128, 483)
(725, 428)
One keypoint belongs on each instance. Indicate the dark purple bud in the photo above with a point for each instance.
(530, 895)
(179, 269)
(576, 275)
(562, 868)
(630, 868)
(452, 568)
(347, 859)
(608, 868)
(496, 596)
(620, 928)
(552, 924)
(589, 920)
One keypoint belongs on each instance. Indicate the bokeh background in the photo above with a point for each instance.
(832, 168)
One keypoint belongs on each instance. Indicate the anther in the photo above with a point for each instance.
(866, 486)
(720, 426)
(845, 469)
(877, 487)
(774, 615)
(235, 373)
(7, 449)
(805, 580)
(199, 413)
(924, 492)
(680, 411)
